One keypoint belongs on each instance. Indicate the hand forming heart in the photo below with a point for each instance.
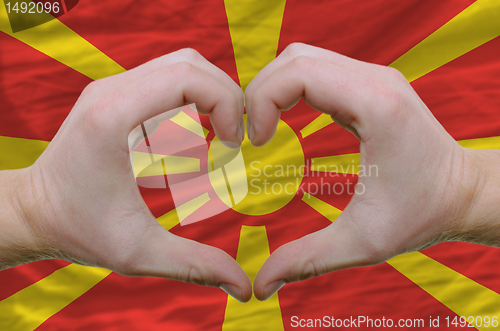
(80, 202)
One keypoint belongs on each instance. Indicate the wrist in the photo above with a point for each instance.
(18, 242)
(480, 221)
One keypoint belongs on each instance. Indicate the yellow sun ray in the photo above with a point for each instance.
(253, 250)
(481, 143)
(474, 26)
(255, 27)
(173, 164)
(187, 122)
(169, 220)
(186, 209)
(345, 163)
(17, 153)
(27, 309)
(317, 124)
(325, 209)
(457, 292)
(64, 45)
(219, 182)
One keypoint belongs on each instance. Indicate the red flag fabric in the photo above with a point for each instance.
(37, 92)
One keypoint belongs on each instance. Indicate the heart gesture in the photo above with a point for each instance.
(80, 202)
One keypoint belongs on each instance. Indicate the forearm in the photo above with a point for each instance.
(481, 224)
(17, 241)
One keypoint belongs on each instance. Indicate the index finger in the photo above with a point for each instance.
(295, 50)
(114, 115)
(331, 89)
(183, 55)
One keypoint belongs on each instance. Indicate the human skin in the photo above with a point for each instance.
(429, 189)
(80, 202)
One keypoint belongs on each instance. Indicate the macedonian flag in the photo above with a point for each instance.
(448, 50)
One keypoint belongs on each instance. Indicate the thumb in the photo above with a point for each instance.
(332, 248)
(166, 255)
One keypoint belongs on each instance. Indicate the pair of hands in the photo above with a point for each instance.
(80, 201)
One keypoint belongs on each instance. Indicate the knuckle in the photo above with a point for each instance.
(392, 98)
(98, 86)
(181, 69)
(96, 111)
(96, 107)
(396, 75)
(295, 49)
(389, 98)
(310, 270)
(239, 93)
(304, 63)
(195, 277)
(91, 89)
(190, 54)
(99, 113)
(254, 100)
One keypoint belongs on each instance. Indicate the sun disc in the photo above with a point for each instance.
(274, 172)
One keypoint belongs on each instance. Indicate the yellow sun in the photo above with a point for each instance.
(274, 171)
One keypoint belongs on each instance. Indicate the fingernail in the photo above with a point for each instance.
(232, 290)
(273, 288)
(250, 129)
(241, 130)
